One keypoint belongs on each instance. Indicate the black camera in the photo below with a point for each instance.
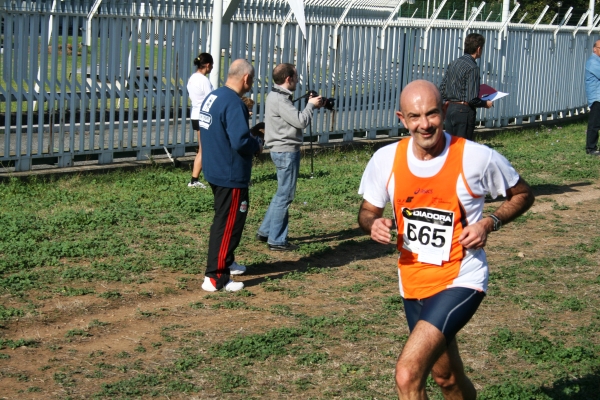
(328, 102)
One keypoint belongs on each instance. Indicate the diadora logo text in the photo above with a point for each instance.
(432, 215)
(423, 191)
(429, 216)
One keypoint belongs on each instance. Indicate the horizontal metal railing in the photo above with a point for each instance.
(63, 99)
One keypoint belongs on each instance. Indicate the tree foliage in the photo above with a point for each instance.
(534, 8)
(492, 11)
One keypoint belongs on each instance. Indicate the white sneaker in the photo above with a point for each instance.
(236, 269)
(207, 285)
(230, 287)
(197, 184)
(234, 286)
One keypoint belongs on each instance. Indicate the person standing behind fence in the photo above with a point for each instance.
(283, 134)
(460, 88)
(592, 91)
(199, 87)
(228, 148)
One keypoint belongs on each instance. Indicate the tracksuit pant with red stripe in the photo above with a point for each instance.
(231, 209)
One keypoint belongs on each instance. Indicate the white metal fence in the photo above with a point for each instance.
(63, 99)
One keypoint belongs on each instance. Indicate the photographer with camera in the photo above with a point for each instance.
(283, 134)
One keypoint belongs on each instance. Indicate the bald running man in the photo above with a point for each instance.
(437, 184)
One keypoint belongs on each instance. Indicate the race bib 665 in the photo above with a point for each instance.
(428, 233)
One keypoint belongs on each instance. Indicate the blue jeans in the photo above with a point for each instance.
(275, 223)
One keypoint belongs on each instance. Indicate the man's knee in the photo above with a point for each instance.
(407, 380)
(445, 379)
(452, 383)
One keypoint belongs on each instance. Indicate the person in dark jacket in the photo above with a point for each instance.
(227, 150)
(460, 88)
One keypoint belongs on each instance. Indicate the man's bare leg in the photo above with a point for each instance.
(424, 347)
(198, 160)
(424, 352)
(449, 373)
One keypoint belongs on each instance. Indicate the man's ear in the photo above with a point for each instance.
(401, 117)
(445, 107)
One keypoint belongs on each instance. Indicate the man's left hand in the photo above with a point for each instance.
(316, 101)
(258, 130)
(260, 146)
(474, 236)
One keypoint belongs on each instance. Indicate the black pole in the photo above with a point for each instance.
(310, 125)
(311, 150)
(307, 96)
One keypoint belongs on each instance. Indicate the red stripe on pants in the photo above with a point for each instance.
(235, 200)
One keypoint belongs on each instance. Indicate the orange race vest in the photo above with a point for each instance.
(430, 218)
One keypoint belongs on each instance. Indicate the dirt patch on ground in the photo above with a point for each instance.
(569, 195)
(84, 342)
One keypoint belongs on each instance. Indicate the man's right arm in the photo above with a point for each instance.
(295, 118)
(371, 221)
(519, 199)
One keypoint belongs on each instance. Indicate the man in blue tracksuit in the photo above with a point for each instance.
(227, 151)
(592, 91)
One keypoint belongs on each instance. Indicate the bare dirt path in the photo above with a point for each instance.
(568, 195)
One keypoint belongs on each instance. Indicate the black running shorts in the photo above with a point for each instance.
(448, 310)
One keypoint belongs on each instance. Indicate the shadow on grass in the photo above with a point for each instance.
(585, 388)
(320, 173)
(336, 256)
(260, 177)
(546, 189)
(341, 235)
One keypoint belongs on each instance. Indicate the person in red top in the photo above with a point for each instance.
(437, 184)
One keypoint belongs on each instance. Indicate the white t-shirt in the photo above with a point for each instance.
(198, 87)
(486, 172)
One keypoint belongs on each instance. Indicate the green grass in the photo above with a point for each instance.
(324, 322)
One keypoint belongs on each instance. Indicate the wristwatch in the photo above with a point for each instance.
(497, 223)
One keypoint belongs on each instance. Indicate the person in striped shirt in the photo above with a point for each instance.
(460, 89)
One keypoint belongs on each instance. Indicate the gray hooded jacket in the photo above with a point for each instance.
(283, 122)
